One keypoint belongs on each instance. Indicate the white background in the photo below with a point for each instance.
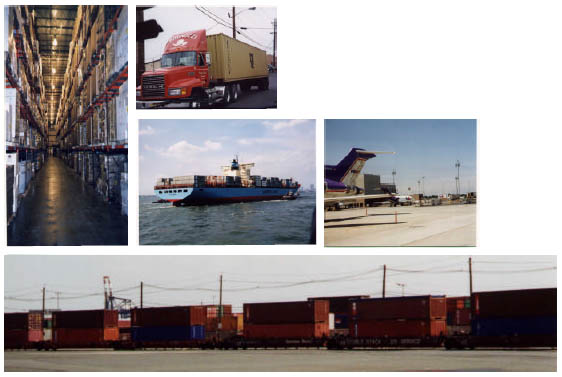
(497, 61)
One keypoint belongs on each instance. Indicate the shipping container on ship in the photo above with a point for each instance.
(66, 124)
(515, 318)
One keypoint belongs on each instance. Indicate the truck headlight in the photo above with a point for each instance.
(138, 93)
(174, 92)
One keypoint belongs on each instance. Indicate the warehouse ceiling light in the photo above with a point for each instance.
(54, 70)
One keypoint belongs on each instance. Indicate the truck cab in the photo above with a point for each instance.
(183, 74)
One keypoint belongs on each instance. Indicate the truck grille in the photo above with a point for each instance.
(153, 86)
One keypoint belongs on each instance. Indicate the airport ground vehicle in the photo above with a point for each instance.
(199, 69)
(507, 319)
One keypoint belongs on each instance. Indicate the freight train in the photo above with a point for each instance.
(507, 319)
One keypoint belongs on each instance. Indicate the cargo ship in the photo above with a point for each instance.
(235, 185)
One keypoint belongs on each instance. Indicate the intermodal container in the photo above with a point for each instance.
(515, 303)
(85, 337)
(286, 312)
(16, 321)
(339, 304)
(287, 330)
(15, 338)
(459, 317)
(412, 328)
(85, 319)
(511, 326)
(413, 307)
(233, 60)
(167, 333)
(169, 316)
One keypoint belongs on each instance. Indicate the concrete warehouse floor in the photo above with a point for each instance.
(281, 360)
(446, 225)
(61, 209)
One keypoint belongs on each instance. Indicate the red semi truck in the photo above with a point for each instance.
(199, 69)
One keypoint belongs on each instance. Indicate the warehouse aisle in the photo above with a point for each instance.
(61, 209)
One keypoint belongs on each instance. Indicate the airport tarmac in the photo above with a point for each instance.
(281, 360)
(444, 225)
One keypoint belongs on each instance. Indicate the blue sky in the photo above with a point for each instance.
(427, 148)
(279, 148)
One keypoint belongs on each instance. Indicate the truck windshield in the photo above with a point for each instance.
(187, 58)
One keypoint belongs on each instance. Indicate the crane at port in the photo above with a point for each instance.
(111, 302)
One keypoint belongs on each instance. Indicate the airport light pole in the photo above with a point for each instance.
(393, 175)
(457, 178)
(423, 186)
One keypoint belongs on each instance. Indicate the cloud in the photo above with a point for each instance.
(184, 148)
(277, 125)
(255, 140)
(147, 131)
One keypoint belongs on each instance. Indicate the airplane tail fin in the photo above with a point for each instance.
(347, 170)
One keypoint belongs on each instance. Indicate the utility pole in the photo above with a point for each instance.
(43, 306)
(275, 42)
(141, 293)
(220, 300)
(384, 282)
(470, 273)
(233, 23)
(58, 293)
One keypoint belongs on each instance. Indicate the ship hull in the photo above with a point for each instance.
(206, 195)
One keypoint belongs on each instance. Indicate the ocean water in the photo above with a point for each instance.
(256, 223)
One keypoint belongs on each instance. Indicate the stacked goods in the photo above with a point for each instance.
(176, 323)
(458, 315)
(24, 99)
(85, 328)
(402, 317)
(528, 312)
(93, 107)
(289, 320)
(339, 306)
(22, 329)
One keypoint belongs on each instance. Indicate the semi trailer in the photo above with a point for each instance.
(202, 70)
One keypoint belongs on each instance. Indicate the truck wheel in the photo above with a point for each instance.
(227, 95)
(234, 92)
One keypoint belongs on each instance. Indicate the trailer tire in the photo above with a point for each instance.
(234, 92)
(227, 95)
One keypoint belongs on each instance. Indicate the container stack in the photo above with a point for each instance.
(83, 328)
(414, 316)
(528, 312)
(339, 307)
(21, 329)
(458, 315)
(289, 320)
(176, 323)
